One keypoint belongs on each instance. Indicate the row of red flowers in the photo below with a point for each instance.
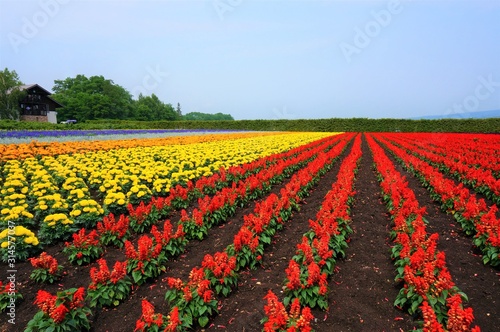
(306, 281)
(477, 150)
(193, 300)
(428, 289)
(474, 216)
(456, 160)
(326, 240)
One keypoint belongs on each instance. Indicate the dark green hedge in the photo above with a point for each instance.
(355, 125)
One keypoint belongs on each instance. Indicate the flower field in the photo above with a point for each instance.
(243, 231)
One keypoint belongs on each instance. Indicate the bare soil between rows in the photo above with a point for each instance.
(362, 290)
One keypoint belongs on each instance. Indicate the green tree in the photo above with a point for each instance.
(178, 110)
(92, 98)
(10, 95)
(198, 116)
(151, 108)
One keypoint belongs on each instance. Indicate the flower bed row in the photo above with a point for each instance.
(477, 150)
(34, 134)
(192, 302)
(428, 289)
(36, 149)
(447, 160)
(305, 286)
(473, 215)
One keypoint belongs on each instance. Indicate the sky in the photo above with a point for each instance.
(268, 59)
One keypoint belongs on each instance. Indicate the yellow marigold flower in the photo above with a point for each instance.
(27, 214)
(121, 201)
(108, 201)
(5, 244)
(5, 211)
(52, 223)
(60, 216)
(19, 230)
(20, 207)
(43, 207)
(140, 194)
(75, 213)
(12, 216)
(28, 240)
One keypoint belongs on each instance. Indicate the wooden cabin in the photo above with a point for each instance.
(38, 105)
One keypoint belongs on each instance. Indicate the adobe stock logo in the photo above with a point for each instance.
(283, 114)
(223, 6)
(31, 27)
(364, 36)
(484, 90)
(150, 81)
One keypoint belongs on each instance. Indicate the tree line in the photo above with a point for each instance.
(95, 98)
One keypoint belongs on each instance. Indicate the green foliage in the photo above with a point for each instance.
(198, 116)
(323, 125)
(10, 95)
(91, 98)
(150, 108)
(195, 300)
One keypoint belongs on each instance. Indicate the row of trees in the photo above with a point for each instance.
(93, 98)
(9, 96)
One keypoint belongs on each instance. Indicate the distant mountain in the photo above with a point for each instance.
(465, 115)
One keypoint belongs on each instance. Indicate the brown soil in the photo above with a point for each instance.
(362, 290)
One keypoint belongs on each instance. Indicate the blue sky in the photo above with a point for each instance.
(281, 59)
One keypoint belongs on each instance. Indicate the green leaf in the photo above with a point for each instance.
(202, 310)
(203, 321)
(414, 307)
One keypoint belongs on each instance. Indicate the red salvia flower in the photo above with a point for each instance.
(130, 250)
(45, 301)
(207, 296)
(174, 320)
(46, 262)
(459, 319)
(175, 283)
(314, 273)
(119, 272)
(305, 248)
(293, 275)
(78, 298)
(59, 313)
(431, 323)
